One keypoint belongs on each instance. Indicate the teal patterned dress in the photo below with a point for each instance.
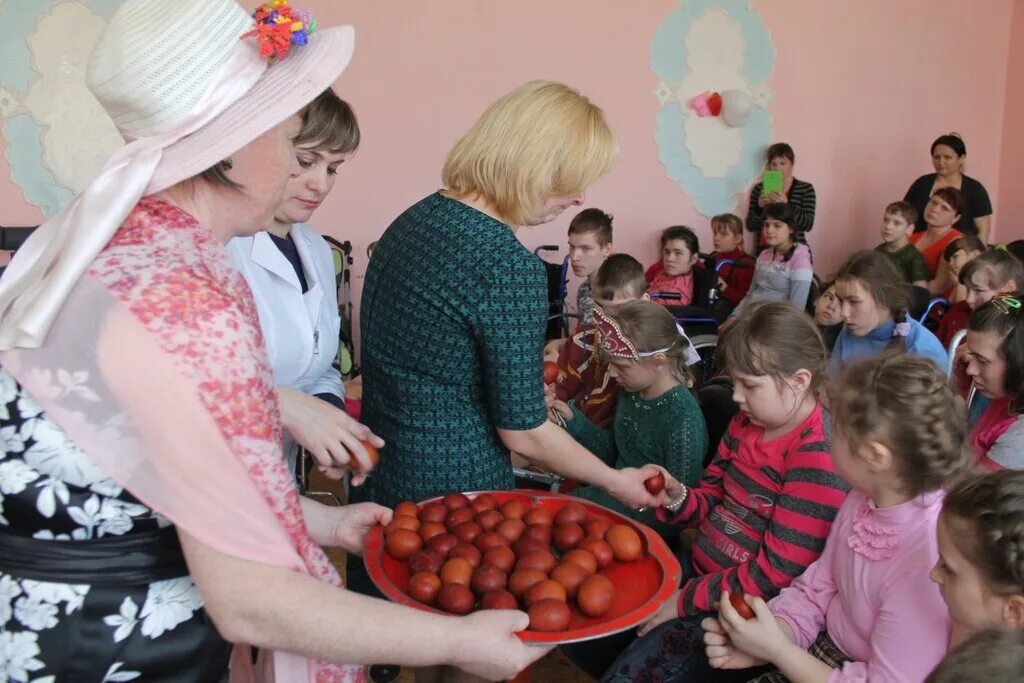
(452, 321)
(668, 430)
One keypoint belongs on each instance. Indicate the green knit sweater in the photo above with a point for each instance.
(668, 431)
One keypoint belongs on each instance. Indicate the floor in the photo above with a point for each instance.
(554, 668)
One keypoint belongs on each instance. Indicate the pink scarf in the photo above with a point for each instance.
(155, 367)
(994, 421)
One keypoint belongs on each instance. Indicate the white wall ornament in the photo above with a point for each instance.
(57, 135)
(713, 56)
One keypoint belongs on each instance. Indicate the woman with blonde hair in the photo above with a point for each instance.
(454, 307)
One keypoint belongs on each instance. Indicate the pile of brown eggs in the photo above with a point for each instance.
(466, 554)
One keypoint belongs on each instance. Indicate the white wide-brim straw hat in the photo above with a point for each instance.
(186, 91)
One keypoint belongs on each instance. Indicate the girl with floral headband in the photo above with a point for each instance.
(995, 364)
(657, 419)
(865, 610)
(873, 300)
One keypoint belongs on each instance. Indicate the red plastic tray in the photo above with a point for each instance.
(642, 586)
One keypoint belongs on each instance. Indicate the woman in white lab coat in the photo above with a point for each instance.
(290, 271)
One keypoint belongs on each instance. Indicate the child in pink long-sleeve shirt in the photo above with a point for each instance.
(866, 610)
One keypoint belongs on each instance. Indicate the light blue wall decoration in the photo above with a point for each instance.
(712, 46)
(56, 134)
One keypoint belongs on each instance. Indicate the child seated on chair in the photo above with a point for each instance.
(958, 254)
(582, 374)
(898, 223)
(992, 273)
(590, 243)
(783, 271)
(657, 419)
(673, 274)
(873, 301)
(733, 279)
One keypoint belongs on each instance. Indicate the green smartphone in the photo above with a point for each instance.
(771, 182)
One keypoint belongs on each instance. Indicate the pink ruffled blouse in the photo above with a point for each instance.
(870, 589)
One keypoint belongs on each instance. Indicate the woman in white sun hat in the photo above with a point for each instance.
(146, 513)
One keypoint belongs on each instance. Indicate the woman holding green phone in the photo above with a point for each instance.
(778, 186)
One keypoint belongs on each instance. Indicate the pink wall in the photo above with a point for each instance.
(1011, 172)
(861, 89)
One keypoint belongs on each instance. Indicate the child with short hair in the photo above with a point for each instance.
(733, 279)
(765, 504)
(993, 273)
(995, 364)
(583, 376)
(959, 253)
(657, 419)
(783, 271)
(980, 570)
(828, 315)
(590, 243)
(673, 274)
(898, 223)
(865, 610)
(874, 300)
(940, 214)
(987, 657)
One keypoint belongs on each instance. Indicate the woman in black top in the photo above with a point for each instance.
(948, 156)
(797, 193)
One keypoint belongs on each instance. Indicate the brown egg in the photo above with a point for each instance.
(484, 501)
(454, 501)
(511, 529)
(514, 509)
(457, 517)
(541, 559)
(467, 531)
(424, 586)
(625, 543)
(583, 558)
(548, 589)
(500, 599)
(456, 599)
(487, 578)
(571, 513)
(549, 615)
(456, 570)
(597, 527)
(488, 519)
(402, 544)
(442, 543)
(467, 552)
(540, 532)
(566, 536)
(541, 516)
(501, 557)
(430, 529)
(600, 549)
(406, 508)
(488, 540)
(522, 579)
(402, 522)
(426, 560)
(525, 546)
(570, 575)
(595, 595)
(433, 512)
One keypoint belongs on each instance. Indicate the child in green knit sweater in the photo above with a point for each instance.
(657, 419)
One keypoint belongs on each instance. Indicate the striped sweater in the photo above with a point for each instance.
(801, 197)
(762, 511)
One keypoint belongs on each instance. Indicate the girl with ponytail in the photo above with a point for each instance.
(657, 419)
(874, 300)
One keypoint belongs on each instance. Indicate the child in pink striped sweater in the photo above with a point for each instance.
(865, 611)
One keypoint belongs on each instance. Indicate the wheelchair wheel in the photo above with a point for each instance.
(704, 345)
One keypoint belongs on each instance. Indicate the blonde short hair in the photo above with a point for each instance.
(542, 139)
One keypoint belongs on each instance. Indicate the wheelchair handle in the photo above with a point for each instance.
(668, 296)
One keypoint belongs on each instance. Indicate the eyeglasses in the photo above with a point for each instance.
(1007, 304)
